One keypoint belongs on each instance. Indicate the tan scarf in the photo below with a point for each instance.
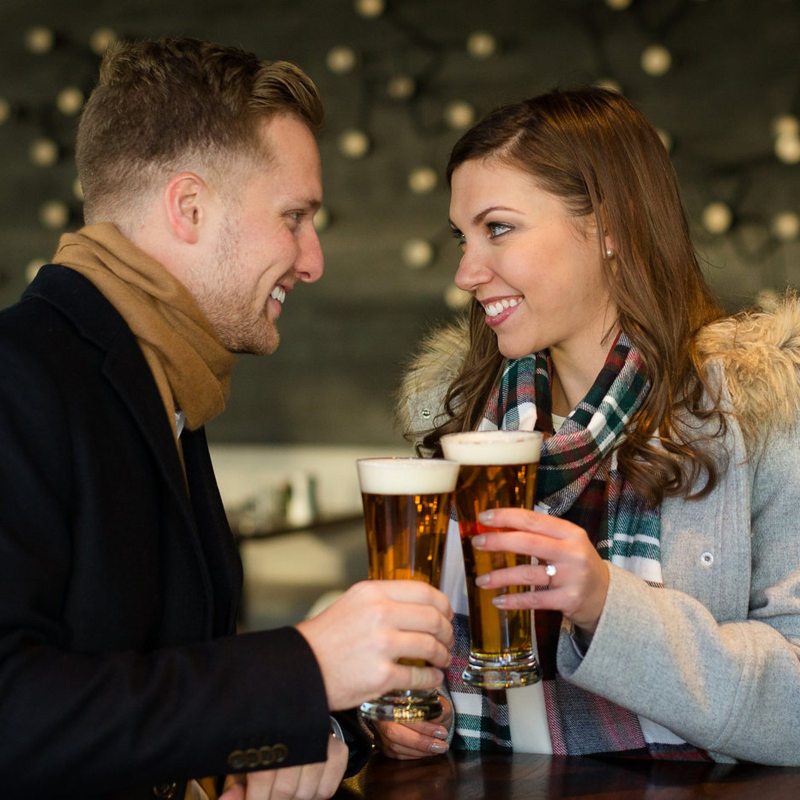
(191, 367)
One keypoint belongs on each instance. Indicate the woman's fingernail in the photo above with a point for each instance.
(438, 747)
(481, 580)
(478, 541)
(499, 601)
(440, 733)
(486, 516)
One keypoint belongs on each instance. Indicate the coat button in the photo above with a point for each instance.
(237, 760)
(280, 751)
(165, 791)
(707, 559)
(267, 755)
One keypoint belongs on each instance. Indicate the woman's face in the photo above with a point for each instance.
(535, 269)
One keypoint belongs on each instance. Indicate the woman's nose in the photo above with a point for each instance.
(472, 272)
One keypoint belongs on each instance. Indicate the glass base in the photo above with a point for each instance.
(502, 673)
(404, 705)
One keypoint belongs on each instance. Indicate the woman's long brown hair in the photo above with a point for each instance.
(594, 150)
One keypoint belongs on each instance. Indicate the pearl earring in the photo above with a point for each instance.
(609, 253)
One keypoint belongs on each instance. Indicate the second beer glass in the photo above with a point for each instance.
(498, 470)
(407, 504)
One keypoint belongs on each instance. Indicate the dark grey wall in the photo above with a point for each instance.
(735, 67)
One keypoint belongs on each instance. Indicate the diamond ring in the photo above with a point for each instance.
(551, 570)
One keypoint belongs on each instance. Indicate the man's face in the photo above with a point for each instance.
(265, 241)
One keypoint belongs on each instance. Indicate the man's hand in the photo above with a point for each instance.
(307, 782)
(359, 639)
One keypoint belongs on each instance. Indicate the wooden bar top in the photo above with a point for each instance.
(461, 776)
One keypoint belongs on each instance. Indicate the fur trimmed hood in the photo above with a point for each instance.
(758, 352)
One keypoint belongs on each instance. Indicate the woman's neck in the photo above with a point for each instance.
(573, 376)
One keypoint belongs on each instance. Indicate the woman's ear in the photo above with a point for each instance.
(185, 197)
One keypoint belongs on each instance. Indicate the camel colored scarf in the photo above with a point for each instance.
(191, 367)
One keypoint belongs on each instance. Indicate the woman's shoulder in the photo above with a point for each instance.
(758, 352)
(429, 373)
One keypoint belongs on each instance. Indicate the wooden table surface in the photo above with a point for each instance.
(535, 777)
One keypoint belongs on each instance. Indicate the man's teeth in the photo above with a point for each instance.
(278, 294)
(493, 309)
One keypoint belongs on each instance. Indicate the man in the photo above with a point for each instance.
(119, 579)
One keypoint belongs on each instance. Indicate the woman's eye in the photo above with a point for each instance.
(497, 229)
(461, 240)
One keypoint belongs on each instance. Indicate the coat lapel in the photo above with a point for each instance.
(126, 370)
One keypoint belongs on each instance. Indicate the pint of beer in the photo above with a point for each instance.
(407, 504)
(498, 470)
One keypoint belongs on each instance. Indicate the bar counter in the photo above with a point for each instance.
(459, 776)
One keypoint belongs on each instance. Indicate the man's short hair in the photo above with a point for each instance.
(170, 104)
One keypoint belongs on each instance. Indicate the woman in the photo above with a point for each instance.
(670, 626)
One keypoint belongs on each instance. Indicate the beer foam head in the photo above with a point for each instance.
(493, 447)
(406, 475)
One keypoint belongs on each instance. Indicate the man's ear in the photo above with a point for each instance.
(185, 199)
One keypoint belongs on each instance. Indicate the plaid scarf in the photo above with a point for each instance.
(578, 480)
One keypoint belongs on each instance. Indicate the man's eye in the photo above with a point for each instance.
(497, 229)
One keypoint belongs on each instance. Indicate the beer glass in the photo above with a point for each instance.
(498, 470)
(407, 504)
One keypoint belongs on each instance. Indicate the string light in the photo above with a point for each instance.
(456, 299)
(787, 148)
(39, 40)
(459, 115)
(322, 219)
(341, 59)
(609, 84)
(43, 152)
(33, 267)
(717, 217)
(77, 189)
(656, 60)
(418, 253)
(786, 125)
(786, 226)
(481, 45)
(69, 100)
(422, 180)
(354, 143)
(101, 39)
(401, 87)
(666, 139)
(618, 5)
(370, 8)
(54, 214)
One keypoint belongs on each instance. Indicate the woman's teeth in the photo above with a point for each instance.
(493, 309)
(278, 294)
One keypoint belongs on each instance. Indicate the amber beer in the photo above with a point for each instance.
(498, 470)
(407, 504)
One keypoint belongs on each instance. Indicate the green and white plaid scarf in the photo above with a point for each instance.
(578, 480)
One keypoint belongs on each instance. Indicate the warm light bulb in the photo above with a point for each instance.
(656, 60)
(39, 40)
(322, 219)
(77, 189)
(418, 253)
(101, 39)
(786, 226)
(401, 87)
(787, 148)
(459, 115)
(341, 59)
(422, 180)
(370, 8)
(786, 125)
(618, 5)
(455, 298)
(70, 100)
(481, 44)
(43, 152)
(354, 143)
(54, 214)
(666, 138)
(32, 267)
(717, 217)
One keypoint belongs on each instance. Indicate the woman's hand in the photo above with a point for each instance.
(416, 739)
(569, 568)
